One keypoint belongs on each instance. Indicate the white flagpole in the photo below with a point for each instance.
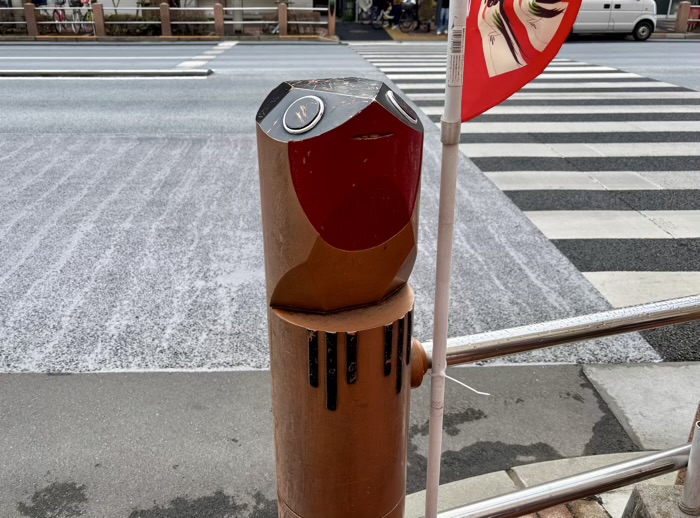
(450, 131)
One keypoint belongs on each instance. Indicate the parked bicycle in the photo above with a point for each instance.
(88, 19)
(76, 18)
(365, 14)
(381, 14)
(271, 28)
(59, 17)
(409, 20)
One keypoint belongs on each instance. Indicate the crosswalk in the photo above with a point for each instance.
(606, 163)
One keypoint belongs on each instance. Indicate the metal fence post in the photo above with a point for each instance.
(165, 27)
(682, 17)
(681, 474)
(30, 18)
(282, 18)
(219, 26)
(98, 16)
(690, 500)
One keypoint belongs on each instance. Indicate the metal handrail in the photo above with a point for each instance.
(123, 10)
(64, 22)
(505, 342)
(142, 22)
(251, 22)
(193, 22)
(11, 8)
(252, 9)
(690, 498)
(290, 22)
(549, 494)
(321, 9)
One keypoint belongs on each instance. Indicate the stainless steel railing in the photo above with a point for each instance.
(505, 342)
(13, 22)
(549, 494)
(494, 344)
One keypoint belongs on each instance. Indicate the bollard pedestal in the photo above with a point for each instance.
(99, 19)
(165, 26)
(30, 18)
(682, 16)
(219, 26)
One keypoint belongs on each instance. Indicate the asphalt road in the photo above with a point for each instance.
(672, 61)
(131, 235)
(95, 57)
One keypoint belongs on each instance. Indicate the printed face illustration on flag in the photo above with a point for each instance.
(508, 44)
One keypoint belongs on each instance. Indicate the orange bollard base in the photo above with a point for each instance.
(341, 396)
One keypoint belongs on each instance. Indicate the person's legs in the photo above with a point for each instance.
(397, 15)
(444, 19)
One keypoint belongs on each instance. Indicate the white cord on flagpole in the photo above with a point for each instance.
(451, 124)
(467, 386)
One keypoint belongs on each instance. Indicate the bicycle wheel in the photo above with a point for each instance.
(407, 21)
(377, 18)
(365, 17)
(270, 28)
(57, 22)
(76, 21)
(88, 25)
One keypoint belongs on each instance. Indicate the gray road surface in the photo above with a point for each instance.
(665, 60)
(131, 236)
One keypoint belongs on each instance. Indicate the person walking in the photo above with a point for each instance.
(443, 16)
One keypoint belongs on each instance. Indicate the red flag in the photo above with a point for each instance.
(508, 44)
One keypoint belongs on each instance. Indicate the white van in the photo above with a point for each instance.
(635, 17)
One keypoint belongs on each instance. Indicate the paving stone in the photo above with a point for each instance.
(559, 511)
(655, 403)
(587, 509)
(654, 501)
(462, 492)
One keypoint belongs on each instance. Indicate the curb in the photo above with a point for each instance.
(107, 73)
(675, 36)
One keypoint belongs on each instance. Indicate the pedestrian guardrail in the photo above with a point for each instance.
(495, 344)
(306, 9)
(59, 18)
(100, 20)
(590, 483)
(8, 17)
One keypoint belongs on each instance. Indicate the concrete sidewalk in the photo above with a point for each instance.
(175, 445)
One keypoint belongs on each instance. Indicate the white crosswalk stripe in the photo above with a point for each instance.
(604, 162)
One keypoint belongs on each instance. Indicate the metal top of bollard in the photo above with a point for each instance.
(325, 104)
(340, 166)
